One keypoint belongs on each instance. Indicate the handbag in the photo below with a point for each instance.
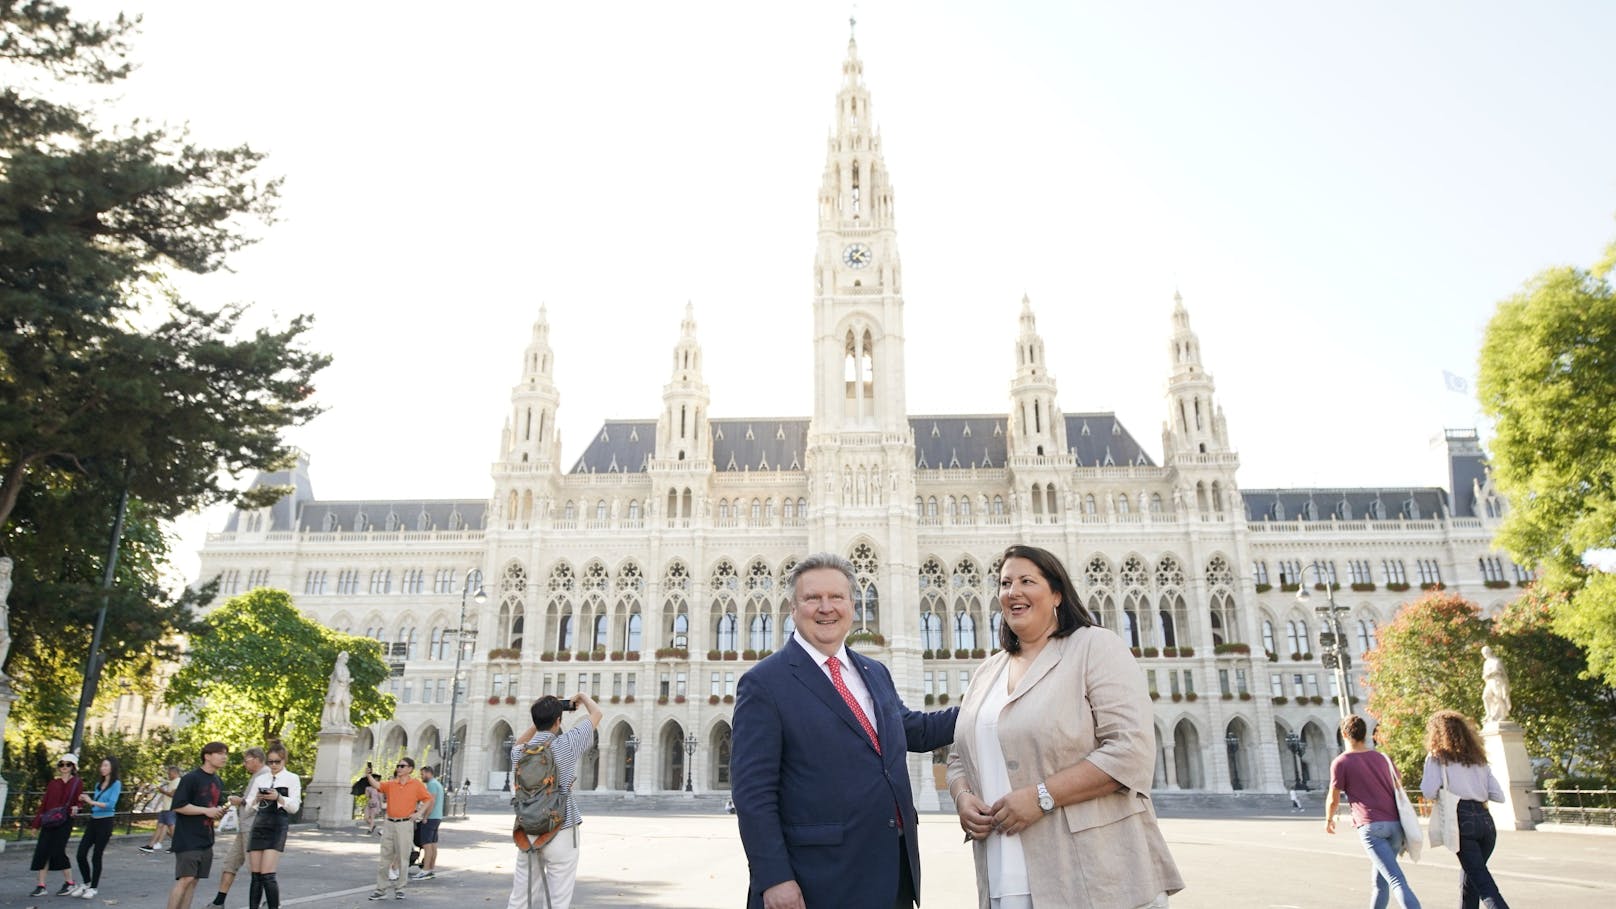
(1444, 829)
(54, 817)
(1413, 840)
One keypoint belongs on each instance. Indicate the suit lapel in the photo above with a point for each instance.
(1047, 660)
(807, 671)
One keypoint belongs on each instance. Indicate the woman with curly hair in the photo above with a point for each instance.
(1457, 761)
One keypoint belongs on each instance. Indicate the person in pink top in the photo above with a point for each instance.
(1370, 783)
(1457, 759)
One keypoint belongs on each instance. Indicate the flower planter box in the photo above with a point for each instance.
(616, 699)
(547, 657)
(663, 699)
(1281, 699)
(1399, 588)
(1192, 696)
(564, 656)
(1264, 588)
(979, 654)
(1435, 585)
(615, 655)
(1231, 648)
(510, 699)
(493, 699)
(729, 698)
(731, 655)
(712, 699)
(1363, 588)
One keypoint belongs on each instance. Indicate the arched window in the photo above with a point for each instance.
(634, 624)
(1268, 636)
(1297, 636)
(759, 634)
(564, 633)
(633, 509)
(1122, 503)
(597, 640)
(931, 631)
(1367, 638)
(726, 632)
(1089, 504)
(964, 630)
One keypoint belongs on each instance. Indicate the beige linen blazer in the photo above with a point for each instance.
(1083, 698)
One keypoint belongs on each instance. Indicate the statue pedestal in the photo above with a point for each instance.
(6, 697)
(1506, 754)
(331, 790)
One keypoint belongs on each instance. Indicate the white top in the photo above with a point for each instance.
(249, 795)
(1007, 863)
(293, 799)
(1467, 781)
(850, 676)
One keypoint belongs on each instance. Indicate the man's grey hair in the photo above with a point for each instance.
(815, 562)
(255, 752)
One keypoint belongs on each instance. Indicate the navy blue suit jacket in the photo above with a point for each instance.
(815, 801)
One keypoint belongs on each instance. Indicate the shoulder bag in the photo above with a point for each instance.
(1413, 841)
(1444, 829)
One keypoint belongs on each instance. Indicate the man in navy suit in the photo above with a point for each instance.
(819, 770)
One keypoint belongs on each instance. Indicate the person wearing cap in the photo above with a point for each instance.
(408, 801)
(50, 850)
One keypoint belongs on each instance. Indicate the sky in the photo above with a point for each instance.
(1342, 193)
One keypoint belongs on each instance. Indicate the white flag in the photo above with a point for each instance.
(1455, 382)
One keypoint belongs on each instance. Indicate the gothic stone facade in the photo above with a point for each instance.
(649, 571)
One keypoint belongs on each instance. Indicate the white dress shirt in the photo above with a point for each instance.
(850, 677)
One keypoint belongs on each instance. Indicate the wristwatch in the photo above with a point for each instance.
(1046, 802)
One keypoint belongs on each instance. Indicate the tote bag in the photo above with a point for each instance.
(1444, 830)
(1413, 838)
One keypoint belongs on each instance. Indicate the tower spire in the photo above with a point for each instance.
(682, 428)
(1194, 422)
(1037, 428)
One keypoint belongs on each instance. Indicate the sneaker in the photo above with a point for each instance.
(38, 890)
(149, 848)
(392, 874)
(67, 888)
(398, 894)
(88, 893)
(427, 876)
(377, 895)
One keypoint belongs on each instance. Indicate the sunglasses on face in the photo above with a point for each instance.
(405, 767)
(274, 761)
(63, 764)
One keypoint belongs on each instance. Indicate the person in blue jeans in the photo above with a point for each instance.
(1453, 746)
(1370, 783)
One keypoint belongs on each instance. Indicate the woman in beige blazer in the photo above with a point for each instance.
(1053, 756)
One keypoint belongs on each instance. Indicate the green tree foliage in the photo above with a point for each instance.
(1548, 379)
(1569, 719)
(58, 537)
(258, 669)
(91, 222)
(1429, 659)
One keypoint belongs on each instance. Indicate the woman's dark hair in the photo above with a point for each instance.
(1069, 614)
(117, 768)
(1449, 739)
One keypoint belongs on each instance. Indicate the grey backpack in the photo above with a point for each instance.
(538, 797)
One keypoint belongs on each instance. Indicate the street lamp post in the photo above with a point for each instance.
(510, 742)
(1294, 743)
(461, 634)
(1332, 643)
(690, 759)
(1233, 741)
(632, 745)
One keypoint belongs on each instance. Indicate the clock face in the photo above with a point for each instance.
(857, 255)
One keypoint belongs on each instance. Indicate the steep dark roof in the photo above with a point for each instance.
(1100, 440)
(1360, 504)
(283, 513)
(626, 446)
(410, 514)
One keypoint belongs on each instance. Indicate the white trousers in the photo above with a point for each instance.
(1025, 902)
(559, 861)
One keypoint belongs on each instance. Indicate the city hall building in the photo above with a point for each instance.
(649, 571)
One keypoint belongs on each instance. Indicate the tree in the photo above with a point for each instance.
(258, 669)
(110, 382)
(1428, 659)
(1548, 380)
(1569, 719)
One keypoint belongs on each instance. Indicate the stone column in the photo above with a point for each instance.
(1506, 754)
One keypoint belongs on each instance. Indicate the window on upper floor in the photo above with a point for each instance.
(1430, 572)
(1259, 572)
(1324, 571)
(1523, 575)
(1290, 571)
(1492, 569)
(381, 580)
(1393, 569)
(1359, 571)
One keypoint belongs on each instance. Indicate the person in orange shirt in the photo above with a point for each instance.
(408, 801)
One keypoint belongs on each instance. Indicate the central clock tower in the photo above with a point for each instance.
(858, 279)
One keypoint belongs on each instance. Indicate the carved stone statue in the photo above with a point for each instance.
(1495, 688)
(5, 615)
(338, 699)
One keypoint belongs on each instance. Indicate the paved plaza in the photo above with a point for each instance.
(694, 860)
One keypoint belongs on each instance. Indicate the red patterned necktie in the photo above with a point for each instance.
(835, 666)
